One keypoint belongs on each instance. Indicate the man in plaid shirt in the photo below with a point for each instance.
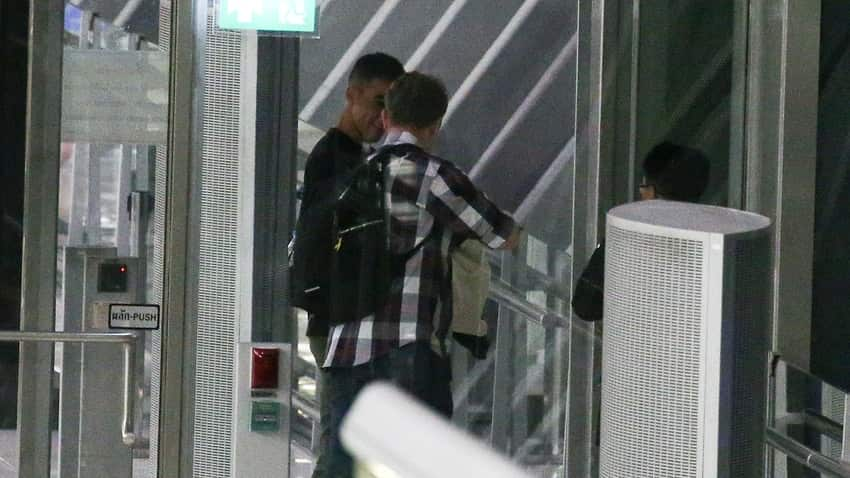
(432, 208)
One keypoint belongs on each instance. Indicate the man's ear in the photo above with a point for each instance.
(385, 119)
(435, 128)
(351, 93)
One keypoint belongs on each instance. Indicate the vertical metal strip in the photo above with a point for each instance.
(606, 61)
(845, 443)
(122, 227)
(92, 232)
(604, 175)
(251, 190)
(503, 373)
(41, 201)
(632, 80)
(781, 119)
(175, 437)
(276, 149)
(781, 114)
(738, 106)
(588, 87)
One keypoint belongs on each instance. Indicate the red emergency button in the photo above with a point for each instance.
(264, 367)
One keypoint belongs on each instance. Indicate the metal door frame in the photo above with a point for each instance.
(182, 231)
(41, 201)
(44, 93)
(781, 146)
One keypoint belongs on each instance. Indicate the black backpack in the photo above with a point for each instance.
(349, 276)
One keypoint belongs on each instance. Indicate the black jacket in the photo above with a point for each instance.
(332, 160)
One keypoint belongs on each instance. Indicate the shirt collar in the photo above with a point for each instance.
(400, 136)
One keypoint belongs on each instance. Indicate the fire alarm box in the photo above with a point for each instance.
(265, 364)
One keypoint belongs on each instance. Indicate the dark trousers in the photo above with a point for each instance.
(415, 368)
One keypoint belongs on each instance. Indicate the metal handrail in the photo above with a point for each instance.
(128, 343)
(505, 295)
(306, 405)
(531, 277)
(805, 455)
(824, 425)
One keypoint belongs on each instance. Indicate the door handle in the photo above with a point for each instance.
(127, 340)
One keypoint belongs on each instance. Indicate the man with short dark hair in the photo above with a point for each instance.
(675, 173)
(670, 171)
(432, 207)
(338, 152)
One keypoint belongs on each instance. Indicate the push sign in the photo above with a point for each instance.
(134, 316)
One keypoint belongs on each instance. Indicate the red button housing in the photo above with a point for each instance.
(264, 368)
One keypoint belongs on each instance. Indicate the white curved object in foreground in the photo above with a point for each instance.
(387, 430)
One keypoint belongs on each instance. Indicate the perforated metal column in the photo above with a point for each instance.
(221, 54)
(217, 325)
(833, 408)
(640, 359)
(751, 338)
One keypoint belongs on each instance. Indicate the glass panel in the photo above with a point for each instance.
(830, 327)
(685, 83)
(509, 67)
(111, 195)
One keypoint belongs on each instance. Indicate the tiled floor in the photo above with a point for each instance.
(9, 458)
(9, 453)
(302, 462)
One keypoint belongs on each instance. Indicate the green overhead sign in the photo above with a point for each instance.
(285, 16)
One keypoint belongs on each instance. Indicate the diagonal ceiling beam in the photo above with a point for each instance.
(348, 58)
(521, 113)
(434, 35)
(489, 57)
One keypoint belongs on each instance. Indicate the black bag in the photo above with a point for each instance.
(362, 265)
(340, 258)
(360, 268)
(310, 256)
(589, 291)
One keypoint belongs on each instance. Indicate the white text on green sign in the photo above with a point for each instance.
(268, 15)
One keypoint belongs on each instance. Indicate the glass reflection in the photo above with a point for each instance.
(685, 82)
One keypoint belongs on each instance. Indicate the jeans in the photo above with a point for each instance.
(414, 368)
(318, 346)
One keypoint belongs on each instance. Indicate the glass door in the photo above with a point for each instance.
(89, 245)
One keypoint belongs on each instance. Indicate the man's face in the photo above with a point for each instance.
(367, 101)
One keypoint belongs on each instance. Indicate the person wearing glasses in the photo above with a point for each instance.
(671, 172)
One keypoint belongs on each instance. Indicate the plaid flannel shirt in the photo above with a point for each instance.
(428, 199)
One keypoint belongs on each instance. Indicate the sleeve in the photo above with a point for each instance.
(318, 172)
(589, 291)
(459, 206)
